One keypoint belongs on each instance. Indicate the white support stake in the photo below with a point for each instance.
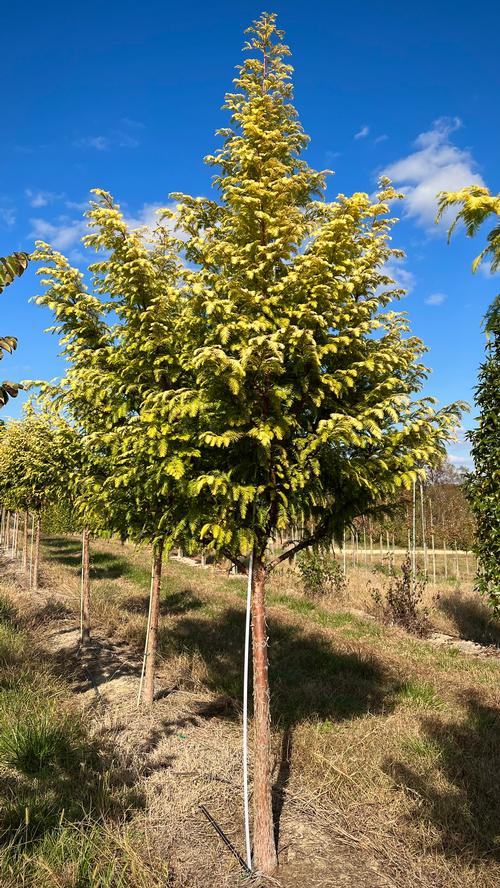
(143, 670)
(246, 807)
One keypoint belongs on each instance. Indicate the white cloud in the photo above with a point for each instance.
(461, 460)
(65, 233)
(115, 139)
(133, 124)
(145, 216)
(382, 138)
(100, 143)
(435, 299)
(401, 275)
(437, 165)
(364, 131)
(62, 234)
(148, 216)
(485, 269)
(41, 198)
(77, 205)
(8, 216)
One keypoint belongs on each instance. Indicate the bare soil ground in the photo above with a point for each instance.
(386, 746)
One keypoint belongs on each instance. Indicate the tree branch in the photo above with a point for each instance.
(236, 561)
(302, 544)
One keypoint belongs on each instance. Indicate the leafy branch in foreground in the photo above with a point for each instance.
(483, 483)
(10, 267)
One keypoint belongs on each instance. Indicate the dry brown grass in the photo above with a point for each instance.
(385, 746)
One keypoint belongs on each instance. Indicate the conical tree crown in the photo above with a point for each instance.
(263, 183)
(302, 380)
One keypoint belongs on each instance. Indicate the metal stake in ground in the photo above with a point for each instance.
(225, 839)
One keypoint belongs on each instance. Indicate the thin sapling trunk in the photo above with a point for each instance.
(36, 555)
(25, 541)
(152, 634)
(265, 858)
(85, 588)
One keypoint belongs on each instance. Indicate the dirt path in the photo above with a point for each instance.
(471, 648)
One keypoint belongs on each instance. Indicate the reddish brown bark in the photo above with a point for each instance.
(25, 541)
(36, 555)
(85, 591)
(264, 852)
(154, 616)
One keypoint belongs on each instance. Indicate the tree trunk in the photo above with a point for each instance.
(85, 590)
(7, 532)
(25, 541)
(152, 636)
(36, 558)
(265, 859)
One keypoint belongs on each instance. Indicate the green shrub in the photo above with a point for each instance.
(321, 574)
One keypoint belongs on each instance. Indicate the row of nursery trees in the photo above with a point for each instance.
(437, 511)
(240, 370)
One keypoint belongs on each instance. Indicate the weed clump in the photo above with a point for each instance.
(403, 599)
(321, 575)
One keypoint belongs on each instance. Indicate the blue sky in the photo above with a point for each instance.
(127, 97)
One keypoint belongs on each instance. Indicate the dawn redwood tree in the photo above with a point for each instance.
(120, 392)
(303, 400)
(80, 323)
(81, 467)
(483, 484)
(33, 468)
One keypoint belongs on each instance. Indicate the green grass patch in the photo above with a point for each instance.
(420, 747)
(63, 798)
(415, 693)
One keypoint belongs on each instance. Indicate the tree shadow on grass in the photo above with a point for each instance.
(465, 807)
(309, 678)
(103, 565)
(63, 551)
(473, 618)
(171, 604)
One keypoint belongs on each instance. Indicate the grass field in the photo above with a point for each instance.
(386, 746)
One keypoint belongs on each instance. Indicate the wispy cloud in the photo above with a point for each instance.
(401, 275)
(65, 232)
(485, 269)
(8, 216)
(382, 138)
(363, 132)
(38, 198)
(437, 165)
(459, 459)
(61, 234)
(147, 216)
(125, 136)
(99, 143)
(77, 205)
(435, 299)
(332, 155)
(133, 124)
